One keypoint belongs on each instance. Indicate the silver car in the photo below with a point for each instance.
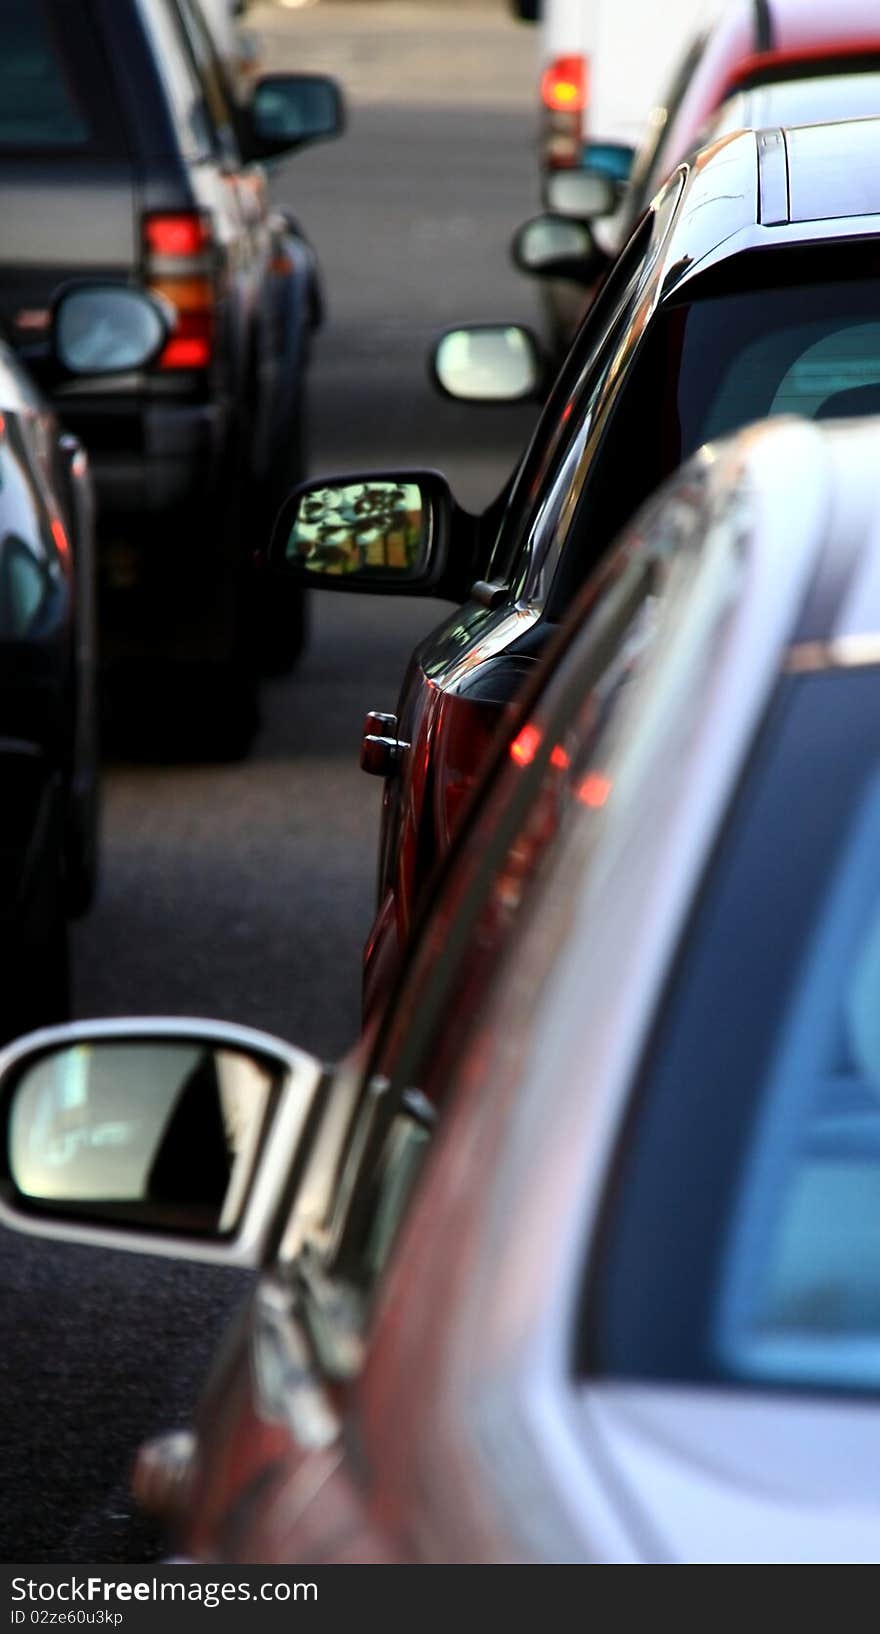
(577, 1257)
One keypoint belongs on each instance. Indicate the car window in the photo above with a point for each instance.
(186, 95)
(743, 1220)
(52, 92)
(708, 368)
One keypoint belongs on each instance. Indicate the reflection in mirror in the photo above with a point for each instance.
(292, 108)
(492, 363)
(547, 240)
(151, 1131)
(581, 193)
(375, 527)
(105, 328)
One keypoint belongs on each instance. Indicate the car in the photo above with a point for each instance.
(123, 155)
(594, 89)
(760, 65)
(749, 289)
(573, 1259)
(48, 715)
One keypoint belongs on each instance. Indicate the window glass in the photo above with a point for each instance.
(707, 369)
(48, 84)
(741, 1240)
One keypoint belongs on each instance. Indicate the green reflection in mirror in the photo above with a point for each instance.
(363, 527)
(152, 1131)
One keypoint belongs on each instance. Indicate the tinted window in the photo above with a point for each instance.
(709, 368)
(742, 1239)
(53, 95)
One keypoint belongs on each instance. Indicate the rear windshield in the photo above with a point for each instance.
(55, 96)
(710, 367)
(742, 1241)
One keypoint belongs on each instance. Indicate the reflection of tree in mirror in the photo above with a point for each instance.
(362, 526)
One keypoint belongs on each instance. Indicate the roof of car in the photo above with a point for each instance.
(768, 188)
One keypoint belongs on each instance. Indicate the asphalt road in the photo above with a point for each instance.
(245, 891)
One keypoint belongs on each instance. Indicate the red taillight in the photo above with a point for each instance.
(179, 266)
(525, 745)
(564, 85)
(184, 234)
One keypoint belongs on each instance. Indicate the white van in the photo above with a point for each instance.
(602, 65)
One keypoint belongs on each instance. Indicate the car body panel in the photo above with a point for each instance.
(519, 1459)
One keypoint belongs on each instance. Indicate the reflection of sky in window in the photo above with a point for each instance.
(801, 1288)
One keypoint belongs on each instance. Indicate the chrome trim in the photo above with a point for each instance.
(773, 200)
(246, 1248)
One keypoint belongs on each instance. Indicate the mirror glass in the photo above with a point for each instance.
(377, 527)
(491, 363)
(153, 1131)
(547, 240)
(104, 329)
(581, 193)
(291, 108)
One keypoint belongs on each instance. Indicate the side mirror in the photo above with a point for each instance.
(288, 110)
(581, 194)
(489, 363)
(553, 246)
(382, 532)
(107, 329)
(526, 11)
(157, 1136)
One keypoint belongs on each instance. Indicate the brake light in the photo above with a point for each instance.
(186, 234)
(179, 266)
(470, 727)
(564, 85)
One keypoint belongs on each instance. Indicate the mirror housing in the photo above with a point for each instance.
(161, 1137)
(555, 246)
(107, 329)
(595, 188)
(288, 110)
(383, 532)
(489, 363)
(526, 11)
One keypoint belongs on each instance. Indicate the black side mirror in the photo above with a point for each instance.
(288, 110)
(526, 11)
(383, 532)
(554, 246)
(107, 329)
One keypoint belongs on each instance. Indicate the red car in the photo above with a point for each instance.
(700, 328)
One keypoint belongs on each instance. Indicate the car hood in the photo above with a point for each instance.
(728, 1476)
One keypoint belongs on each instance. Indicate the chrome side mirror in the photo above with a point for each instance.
(160, 1136)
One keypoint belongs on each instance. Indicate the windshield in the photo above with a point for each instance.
(708, 368)
(742, 1241)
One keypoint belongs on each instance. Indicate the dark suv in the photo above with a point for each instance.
(124, 156)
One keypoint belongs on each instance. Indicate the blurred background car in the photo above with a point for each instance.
(123, 155)
(636, 1044)
(48, 710)
(761, 63)
(750, 289)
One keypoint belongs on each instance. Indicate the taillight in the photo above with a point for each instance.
(179, 266)
(564, 93)
(564, 85)
(470, 728)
